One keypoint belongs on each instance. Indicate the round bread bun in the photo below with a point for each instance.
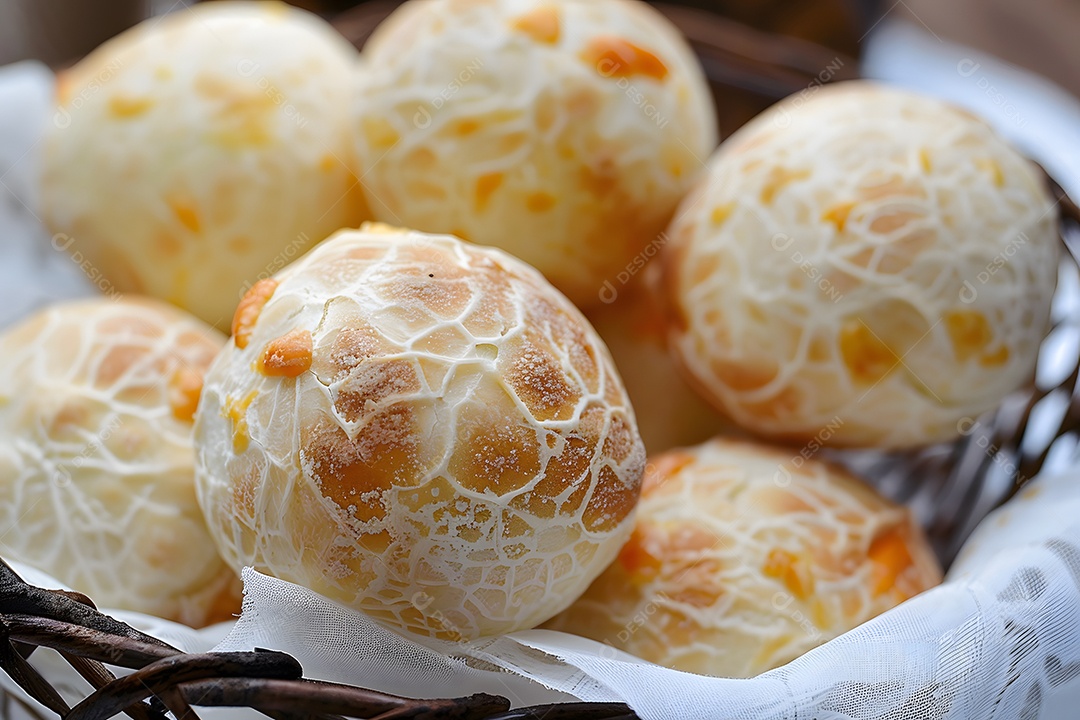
(97, 479)
(562, 131)
(670, 413)
(745, 557)
(865, 258)
(196, 153)
(421, 429)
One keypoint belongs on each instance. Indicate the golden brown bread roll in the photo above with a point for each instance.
(562, 131)
(744, 557)
(200, 151)
(865, 260)
(97, 479)
(421, 429)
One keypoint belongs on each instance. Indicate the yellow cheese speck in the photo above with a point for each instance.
(379, 133)
(838, 215)
(485, 186)
(127, 108)
(721, 213)
(539, 202)
(541, 24)
(185, 213)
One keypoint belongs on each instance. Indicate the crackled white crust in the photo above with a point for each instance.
(422, 429)
(198, 151)
(562, 131)
(865, 255)
(744, 557)
(97, 483)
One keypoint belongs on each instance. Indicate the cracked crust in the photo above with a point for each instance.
(460, 434)
(744, 557)
(865, 255)
(97, 478)
(562, 131)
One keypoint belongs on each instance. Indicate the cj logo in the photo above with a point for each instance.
(62, 119)
(967, 67)
(782, 119)
(422, 118)
(608, 293)
(247, 68)
(421, 600)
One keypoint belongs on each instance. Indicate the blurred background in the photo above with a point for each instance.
(1014, 64)
(1037, 35)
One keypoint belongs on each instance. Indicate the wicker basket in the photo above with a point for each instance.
(950, 486)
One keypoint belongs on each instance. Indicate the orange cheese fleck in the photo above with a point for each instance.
(126, 108)
(185, 212)
(890, 556)
(288, 355)
(665, 467)
(236, 412)
(969, 332)
(867, 357)
(790, 570)
(541, 24)
(485, 186)
(247, 312)
(991, 167)
(379, 133)
(619, 58)
(64, 87)
(167, 243)
(995, 359)
(240, 244)
(779, 178)
(636, 559)
(467, 126)
(721, 213)
(838, 215)
(924, 160)
(539, 202)
(184, 389)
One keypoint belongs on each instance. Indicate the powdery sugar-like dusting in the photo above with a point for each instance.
(563, 131)
(742, 560)
(865, 258)
(460, 461)
(96, 458)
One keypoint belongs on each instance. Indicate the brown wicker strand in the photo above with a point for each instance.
(26, 677)
(159, 676)
(267, 681)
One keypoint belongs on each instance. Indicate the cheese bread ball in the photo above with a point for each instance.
(562, 131)
(867, 258)
(421, 429)
(198, 152)
(97, 478)
(744, 557)
(670, 413)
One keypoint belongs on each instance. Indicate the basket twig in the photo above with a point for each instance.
(17, 596)
(168, 680)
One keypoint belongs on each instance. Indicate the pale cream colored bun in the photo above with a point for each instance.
(562, 131)
(97, 479)
(745, 557)
(198, 152)
(865, 258)
(670, 413)
(421, 429)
